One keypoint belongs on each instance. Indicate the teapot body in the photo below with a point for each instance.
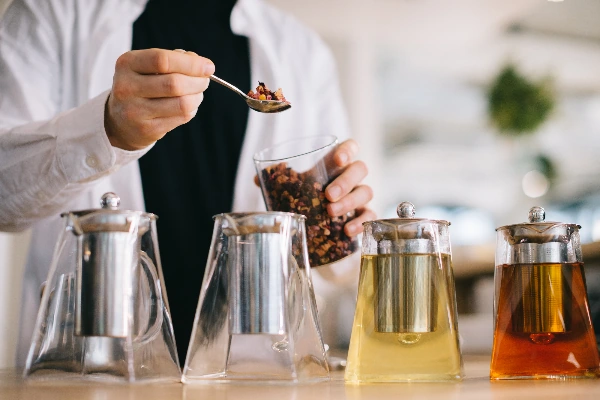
(405, 326)
(542, 324)
(103, 313)
(257, 317)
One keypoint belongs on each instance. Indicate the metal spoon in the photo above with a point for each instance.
(265, 106)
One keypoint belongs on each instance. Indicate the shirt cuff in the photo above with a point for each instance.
(125, 156)
(84, 152)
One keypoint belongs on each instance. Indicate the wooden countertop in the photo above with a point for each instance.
(476, 386)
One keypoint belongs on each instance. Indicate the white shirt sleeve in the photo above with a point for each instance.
(42, 165)
(332, 115)
(46, 156)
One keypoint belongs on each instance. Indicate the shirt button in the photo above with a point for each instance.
(91, 161)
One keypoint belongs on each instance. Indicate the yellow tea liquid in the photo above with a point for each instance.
(377, 355)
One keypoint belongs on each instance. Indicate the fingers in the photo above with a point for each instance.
(345, 153)
(141, 110)
(164, 85)
(343, 184)
(345, 193)
(170, 106)
(153, 92)
(167, 124)
(354, 227)
(360, 196)
(341, 156)
(161, 61)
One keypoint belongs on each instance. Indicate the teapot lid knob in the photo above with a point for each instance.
(537, 214)
(110, 201)
(406, 209)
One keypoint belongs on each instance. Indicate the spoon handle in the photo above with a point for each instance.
(227, 85)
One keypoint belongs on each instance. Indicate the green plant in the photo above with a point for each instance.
(516, 105)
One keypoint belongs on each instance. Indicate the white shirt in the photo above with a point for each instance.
(57, 60)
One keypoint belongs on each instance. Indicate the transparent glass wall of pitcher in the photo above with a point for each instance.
(542, 328)
(405, 326)
(103, 313)
(256, 317)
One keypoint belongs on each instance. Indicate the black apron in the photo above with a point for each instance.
(189, 175)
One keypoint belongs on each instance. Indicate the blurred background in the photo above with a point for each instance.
(472, 110)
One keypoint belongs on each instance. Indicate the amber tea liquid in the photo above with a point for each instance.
(543, 328)
(404, 325)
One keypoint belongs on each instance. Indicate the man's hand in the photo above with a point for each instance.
(153, 92)
(345, 192)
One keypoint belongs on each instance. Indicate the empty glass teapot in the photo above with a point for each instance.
(256, 317)
(103, 314)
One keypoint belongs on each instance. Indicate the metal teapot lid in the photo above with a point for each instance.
(407, 226)
(406, 212)
(108, 218)
(538, 230)
(540, 241)
(408, 234)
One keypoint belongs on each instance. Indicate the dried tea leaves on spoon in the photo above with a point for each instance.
(264, 93)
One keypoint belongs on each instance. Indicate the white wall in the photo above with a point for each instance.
(12, 259)
(13, 248)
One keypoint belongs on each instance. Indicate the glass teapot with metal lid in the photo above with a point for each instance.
(103, 313)
(257, 318)
(405, 325)
(542, 327)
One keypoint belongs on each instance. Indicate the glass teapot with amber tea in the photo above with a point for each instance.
(405, 326)
(543, 328)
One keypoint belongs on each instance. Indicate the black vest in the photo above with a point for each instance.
(189, 175)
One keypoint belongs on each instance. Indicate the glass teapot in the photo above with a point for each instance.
(405, 326)
(103, 313)
(257, 317)
(542, 328)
